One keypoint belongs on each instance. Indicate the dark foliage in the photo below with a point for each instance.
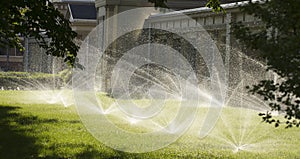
(278, 42)
(38, 19)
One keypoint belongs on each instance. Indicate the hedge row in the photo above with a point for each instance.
(32, 81)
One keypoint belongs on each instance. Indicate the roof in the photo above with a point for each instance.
(83, 11)
(72, 0)
(200, 9)
(189, 4)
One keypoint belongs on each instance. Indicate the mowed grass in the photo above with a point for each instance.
(38, 130)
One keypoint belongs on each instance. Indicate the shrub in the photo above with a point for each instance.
(66, 76)
(26, 81)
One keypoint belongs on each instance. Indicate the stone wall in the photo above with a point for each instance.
(238, 61)
(241, 64)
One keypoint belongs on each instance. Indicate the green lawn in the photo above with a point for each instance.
(30, 129)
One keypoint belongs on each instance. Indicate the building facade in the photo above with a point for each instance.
(84, 15)
(217, 25)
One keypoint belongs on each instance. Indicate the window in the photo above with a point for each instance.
(11, 51)
(15, 52)
(19, 53)
(3, 51)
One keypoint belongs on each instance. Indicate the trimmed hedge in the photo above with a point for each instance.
(30, 81)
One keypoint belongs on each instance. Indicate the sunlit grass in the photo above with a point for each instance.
(36, 130)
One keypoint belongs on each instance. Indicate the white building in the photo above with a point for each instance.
(84, 15)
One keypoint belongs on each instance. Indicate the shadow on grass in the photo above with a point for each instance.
(14, 143)
(18, 141)
(17, 138)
